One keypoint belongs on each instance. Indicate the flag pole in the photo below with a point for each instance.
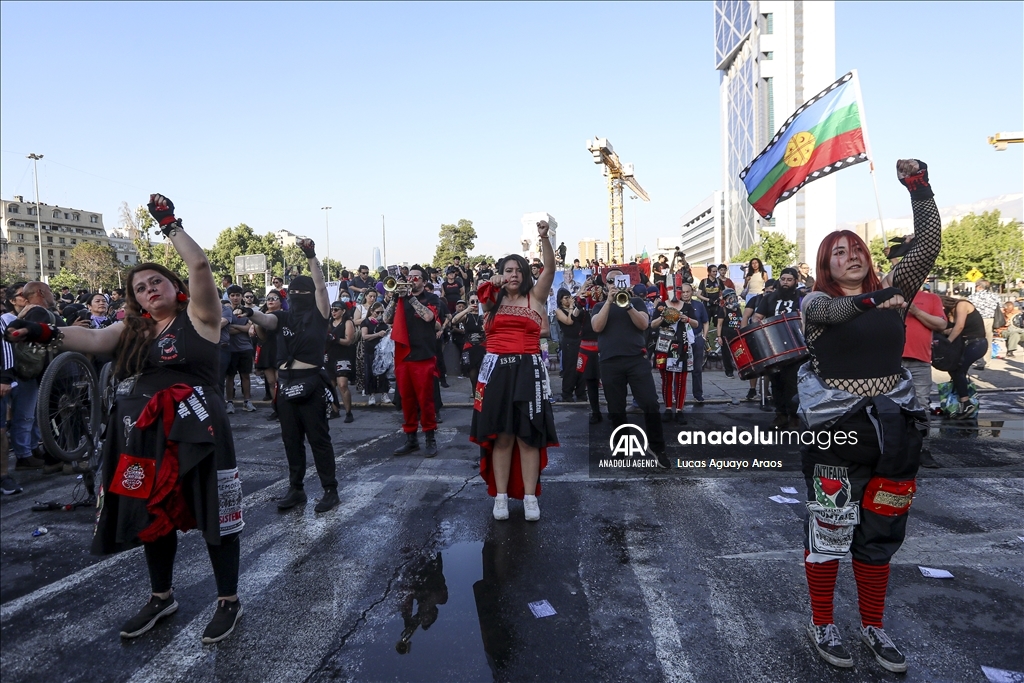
(871, 156)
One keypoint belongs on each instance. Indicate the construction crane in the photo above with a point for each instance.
(1001, 140)
(618, 174)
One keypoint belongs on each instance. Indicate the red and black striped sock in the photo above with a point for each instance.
(872, 581)
(821, 582)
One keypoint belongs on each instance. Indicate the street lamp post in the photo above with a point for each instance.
(327, 224)
(39, 226)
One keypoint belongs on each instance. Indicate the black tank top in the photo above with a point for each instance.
(571, 332)
(974, 326)
(867, 346)
(180, 355)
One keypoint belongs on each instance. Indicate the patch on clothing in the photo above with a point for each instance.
(831, 486)
(830, 530)
(478, 396)
(887, 497)
(194, 405)
(229, 499)
(128, 425)
(133, 477)
(343, 366)
(486, 368)
(581, 363)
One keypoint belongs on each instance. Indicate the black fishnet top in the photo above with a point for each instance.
(861, 352)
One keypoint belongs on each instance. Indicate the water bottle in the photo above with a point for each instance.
(995, 349)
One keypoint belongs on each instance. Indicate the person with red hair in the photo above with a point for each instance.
(855, 391)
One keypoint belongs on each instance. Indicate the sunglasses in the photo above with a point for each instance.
(273, 298)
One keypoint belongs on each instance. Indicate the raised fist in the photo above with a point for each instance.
(913, 173)
(161, 208)
(542, 228)
(308, 247)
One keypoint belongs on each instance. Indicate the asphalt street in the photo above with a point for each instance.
(655, 576)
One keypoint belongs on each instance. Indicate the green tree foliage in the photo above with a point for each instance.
(454, 240)
(772, 248)
(95, 264)
(984, 242)
(163, 253)
(65, 278)
(296, 261)
(242, 240)
(878, 257)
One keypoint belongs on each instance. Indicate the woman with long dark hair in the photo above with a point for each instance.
(855, 390)
(967, 325)
(267, 350)
(340, 357)
(754, 279)
(512, 418)
(169, 459)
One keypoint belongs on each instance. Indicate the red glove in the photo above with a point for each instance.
(917, 183)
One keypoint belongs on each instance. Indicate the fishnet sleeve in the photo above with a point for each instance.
(910, 273)
(821, 309)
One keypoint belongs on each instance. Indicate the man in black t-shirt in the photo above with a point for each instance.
(621, 346)
(785, 299)
(709, 291)
(361, 283)
(414, 313)
(729, 324)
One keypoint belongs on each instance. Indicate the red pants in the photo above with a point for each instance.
(415, 381)
(673, 388)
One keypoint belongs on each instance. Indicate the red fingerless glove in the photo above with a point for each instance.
(487, 292)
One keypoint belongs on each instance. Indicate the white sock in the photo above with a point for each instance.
(501, 496)
(528, 497)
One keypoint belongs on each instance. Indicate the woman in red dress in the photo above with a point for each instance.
(512, 418)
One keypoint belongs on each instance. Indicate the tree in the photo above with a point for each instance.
(772, 248)
(94, 263)
(878, 257)
(242, 240)
(984, 242)
(65, 278)
(139, 225)
(13, 266)
(454, 240)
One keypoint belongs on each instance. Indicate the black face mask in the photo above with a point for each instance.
(301, 303)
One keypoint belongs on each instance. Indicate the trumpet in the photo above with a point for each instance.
(393, 285)
(622, 298)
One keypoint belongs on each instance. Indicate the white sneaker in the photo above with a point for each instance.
(385, 399)
(372, 401)
(501, 506)
(248, 407)
(532, 508)
(229, 407)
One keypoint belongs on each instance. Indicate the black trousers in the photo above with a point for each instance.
(307, 421)
(635, 372)
(784, 389)
(572, 380)
(224, 558)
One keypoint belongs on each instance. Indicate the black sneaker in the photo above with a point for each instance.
(328, 502)
(927, 460)
(223, 622)
(9, 485)
(829, 645)
(348, 417)
(444, 384)
(663, 461)
(155, 610)
(885, 651)
(680, 418)
(595, 418)
(751, 394)
(667, 416)
(273, 416)
(292, 498)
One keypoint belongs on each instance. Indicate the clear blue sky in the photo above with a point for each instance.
(428, 113)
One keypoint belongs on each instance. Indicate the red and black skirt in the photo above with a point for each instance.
(511, 398)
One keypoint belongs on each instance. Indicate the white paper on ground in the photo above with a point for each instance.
(783, 499)
(1021, 538)
(935, 573)
(542, 608)
(1002, 675)
(788, 489)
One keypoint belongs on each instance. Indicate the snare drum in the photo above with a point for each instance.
(764, 348)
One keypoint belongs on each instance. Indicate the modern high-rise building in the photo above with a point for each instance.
(772, 56)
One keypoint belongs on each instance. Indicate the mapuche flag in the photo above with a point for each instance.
(824, 135)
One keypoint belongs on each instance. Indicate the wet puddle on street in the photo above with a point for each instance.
(436, 634)
(1011, 429)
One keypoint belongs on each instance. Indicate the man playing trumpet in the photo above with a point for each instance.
(620, 323)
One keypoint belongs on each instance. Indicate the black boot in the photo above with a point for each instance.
(292, 498)
(329, 500)
(431, 445)
(412, 445)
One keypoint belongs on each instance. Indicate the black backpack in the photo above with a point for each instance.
(30, 360)
(946, 354)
